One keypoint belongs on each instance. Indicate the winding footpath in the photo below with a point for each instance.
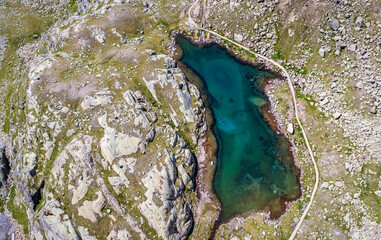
(285, 73)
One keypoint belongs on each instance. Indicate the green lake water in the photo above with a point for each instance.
(254, 165)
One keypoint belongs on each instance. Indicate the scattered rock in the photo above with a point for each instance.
(373, 110)
(291, 32)
(339, 184)
(170, 62)
(359, 22)
(359, 84)
(322, 52)
(352, 47)
(337, 115)
(151, 52)
(334, 25)
(341, 45)
(99, 35)
(290, 128)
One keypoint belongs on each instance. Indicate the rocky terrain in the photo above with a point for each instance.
(332, 50)
(104, 136)
(103, 131)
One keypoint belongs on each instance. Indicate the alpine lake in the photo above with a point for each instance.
(254, 164)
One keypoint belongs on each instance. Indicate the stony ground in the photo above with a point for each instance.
(102, 132)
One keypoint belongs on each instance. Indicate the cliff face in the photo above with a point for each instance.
(103, 131)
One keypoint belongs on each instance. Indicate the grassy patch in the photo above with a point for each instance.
(368, 187)
(277, 55)
(18, 212)
(300, 71)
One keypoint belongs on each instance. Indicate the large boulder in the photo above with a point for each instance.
(334, 25)
(6, 228)
(238, 37)
(359, 22)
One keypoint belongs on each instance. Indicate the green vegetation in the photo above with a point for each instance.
(187, 139)
(277, 55)
(72, 6)
(18, 212)
(72, 3)
(300, 71)
(2, 203)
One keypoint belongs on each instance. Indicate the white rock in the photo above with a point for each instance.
(324, 102)
(337, 115)
(99, 100)
(352, 47)
(65, 110)
(238, 37)
(90, 210)
(359, 84)
(114, 144)
(325, 185)
(123, 234)
(85, 233)
(80, 191)
(291, 32)
(322, 52)
(99, 35)
(339, 184)
(54, 226)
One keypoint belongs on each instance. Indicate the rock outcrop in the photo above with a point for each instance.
(108, 132)
(4, 171)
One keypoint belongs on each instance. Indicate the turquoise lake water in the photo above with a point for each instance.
(254, 164)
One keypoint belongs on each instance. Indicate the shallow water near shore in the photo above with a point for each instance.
(255, 169)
